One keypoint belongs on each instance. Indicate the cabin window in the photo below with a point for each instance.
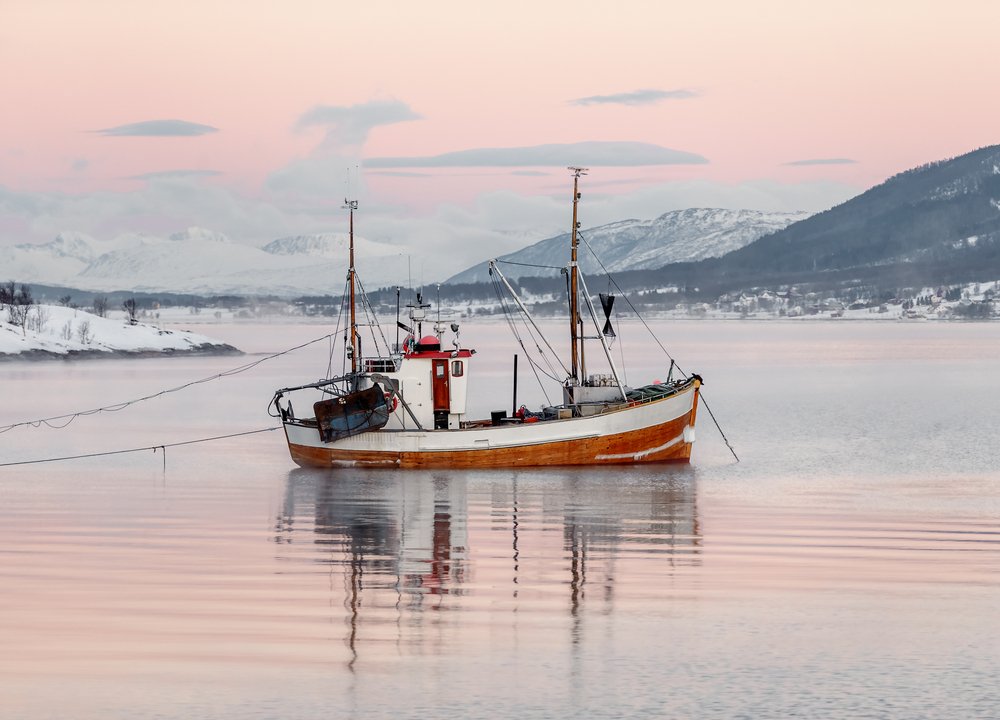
(457, 368)
(439, 370)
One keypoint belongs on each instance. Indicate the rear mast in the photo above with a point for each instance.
(576, 341)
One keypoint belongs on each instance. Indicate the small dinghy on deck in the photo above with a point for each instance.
(351, 414)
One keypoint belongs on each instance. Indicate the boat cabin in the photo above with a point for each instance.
(432, 381)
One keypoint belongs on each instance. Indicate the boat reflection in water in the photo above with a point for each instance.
(524, 542)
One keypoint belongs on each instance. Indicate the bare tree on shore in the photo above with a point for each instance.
(101, 306)
(18, 304)
(131, 310)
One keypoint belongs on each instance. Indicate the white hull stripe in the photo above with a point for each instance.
(642, 453)
(365, 463)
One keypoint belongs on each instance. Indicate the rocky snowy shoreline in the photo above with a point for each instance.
(53, 332)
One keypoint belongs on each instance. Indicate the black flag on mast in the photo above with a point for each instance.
(607, 302)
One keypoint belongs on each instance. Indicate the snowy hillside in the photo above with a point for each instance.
(937, 223)
(201, 261)
(56, 331)
(677, 236)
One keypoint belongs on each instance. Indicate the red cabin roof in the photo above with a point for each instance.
(429, 347)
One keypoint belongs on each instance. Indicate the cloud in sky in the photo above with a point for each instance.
(636, 97)
(350, 125)
(158, 128)
(589, 154)
(321, 175)
(398, 173)
(822, 161)
(161, 206)
(324, 172)
(173, 174)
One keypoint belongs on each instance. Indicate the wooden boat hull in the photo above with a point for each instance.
(658, 431)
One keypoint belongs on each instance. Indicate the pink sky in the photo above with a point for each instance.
(887, 85)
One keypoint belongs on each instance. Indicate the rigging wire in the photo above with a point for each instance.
(657, 340)
(621, 354)
(509, 315)
(341, 316)
(371, 321)
(333, 342)
(163, 447)
(629, 302)
(53, 422)
(536, 334)
(372, 318)
(546, 267)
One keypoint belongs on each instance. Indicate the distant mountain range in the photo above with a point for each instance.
(200, 261)
(677, 236)
(203, 262)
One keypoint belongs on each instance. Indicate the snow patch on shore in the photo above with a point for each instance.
(61, 331)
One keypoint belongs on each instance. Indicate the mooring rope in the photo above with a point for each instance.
(717, 426)
(115, 407)
(162, 446)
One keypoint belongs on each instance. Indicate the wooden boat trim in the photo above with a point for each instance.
(641, 442)
(643, 453)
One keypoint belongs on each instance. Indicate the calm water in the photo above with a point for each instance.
(849, 566)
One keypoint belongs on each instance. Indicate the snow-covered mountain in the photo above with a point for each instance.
(206, 262)
(200, 235)
(201, 261)
(61, 258)
(676, 236)
(329, 245)
(72, 245)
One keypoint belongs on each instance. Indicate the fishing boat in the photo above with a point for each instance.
(407, 407)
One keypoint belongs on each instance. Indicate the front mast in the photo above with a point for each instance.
(352, 205)
(574, 306)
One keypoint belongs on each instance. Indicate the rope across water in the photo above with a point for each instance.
(53, 421)
(154, 448)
